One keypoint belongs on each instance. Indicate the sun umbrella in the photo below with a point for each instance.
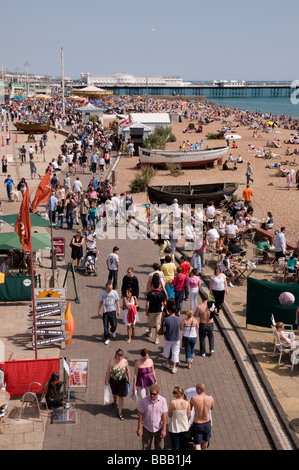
(271, 123)
(36, 220)
(11, 241)
(233, 137)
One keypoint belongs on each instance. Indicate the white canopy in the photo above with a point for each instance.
(89, 108)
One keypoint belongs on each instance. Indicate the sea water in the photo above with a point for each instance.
(268, 104)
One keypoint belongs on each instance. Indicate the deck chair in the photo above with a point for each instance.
(288, 274)
(278, 345)
(40, 396)
(294, 358)
(3, 411)
(258, 256)
(34, 398)
(288, 326)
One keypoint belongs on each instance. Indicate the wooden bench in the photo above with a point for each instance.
(260, 233)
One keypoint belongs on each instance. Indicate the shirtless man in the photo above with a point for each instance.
(206, 324)
(202, 405)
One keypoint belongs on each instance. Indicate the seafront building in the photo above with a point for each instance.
(126, 79)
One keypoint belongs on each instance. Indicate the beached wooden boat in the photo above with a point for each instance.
(191, 194)
(186, 159)
(32, 127)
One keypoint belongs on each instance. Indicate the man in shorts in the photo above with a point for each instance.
(202, 425)
(155, 300)
(109, 301)
(280, 247)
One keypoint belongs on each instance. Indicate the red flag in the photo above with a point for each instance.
(23, 223)
(43, 191)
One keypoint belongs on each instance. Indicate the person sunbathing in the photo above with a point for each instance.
(285, 338)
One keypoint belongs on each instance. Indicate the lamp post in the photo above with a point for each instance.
(62, 83)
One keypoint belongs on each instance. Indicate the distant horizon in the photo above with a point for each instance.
(149, 75)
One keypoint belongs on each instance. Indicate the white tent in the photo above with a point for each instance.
(89, 110)
(90, 90)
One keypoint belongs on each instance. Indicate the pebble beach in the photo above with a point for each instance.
(270, 192)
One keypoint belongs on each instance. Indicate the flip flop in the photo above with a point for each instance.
(120, 416)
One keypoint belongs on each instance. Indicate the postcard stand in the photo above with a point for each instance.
(78, 376)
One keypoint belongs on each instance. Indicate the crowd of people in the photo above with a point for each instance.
(169, 285)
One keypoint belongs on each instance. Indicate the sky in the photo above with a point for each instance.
(193, 39)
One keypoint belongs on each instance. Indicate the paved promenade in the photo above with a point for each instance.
(237, 425)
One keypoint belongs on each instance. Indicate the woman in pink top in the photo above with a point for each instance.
(193, 282)
(179, 288)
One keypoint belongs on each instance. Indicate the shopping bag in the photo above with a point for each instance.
(107, 395)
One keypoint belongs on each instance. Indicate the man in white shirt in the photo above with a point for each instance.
(77, 187)
(240, 223)
(189, 233)
(112, 266)
(212, 234)
(115, 203)
(109, 301)
(280, 247)
(69, 159)
(210, 211)
(31, 151)
(231, 229)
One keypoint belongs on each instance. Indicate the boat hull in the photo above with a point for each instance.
(193, 159)
(32, 127)
(191, 195)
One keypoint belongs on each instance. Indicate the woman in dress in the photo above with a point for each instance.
(218, 287)
(77, 247)
(193, 283)
(144, 375)
(130, 317)
(179, 412)
(117, 375)
(189, 326)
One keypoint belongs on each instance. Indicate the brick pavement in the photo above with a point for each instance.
(236, 425)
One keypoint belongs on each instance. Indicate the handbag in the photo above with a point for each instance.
(161, 332)
(168, 249)
(185, 339)
(128, 386)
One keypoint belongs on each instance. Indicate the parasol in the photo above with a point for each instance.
(11, 241)
(36, 220)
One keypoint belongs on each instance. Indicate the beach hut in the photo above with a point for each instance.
(151, 120)
(90, 110)
(135, 129)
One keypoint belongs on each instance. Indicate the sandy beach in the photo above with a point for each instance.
(270, 193)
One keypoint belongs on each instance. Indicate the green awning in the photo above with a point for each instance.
(36, 220)
(11, 241)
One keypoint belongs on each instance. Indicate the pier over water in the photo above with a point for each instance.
(210, 90)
